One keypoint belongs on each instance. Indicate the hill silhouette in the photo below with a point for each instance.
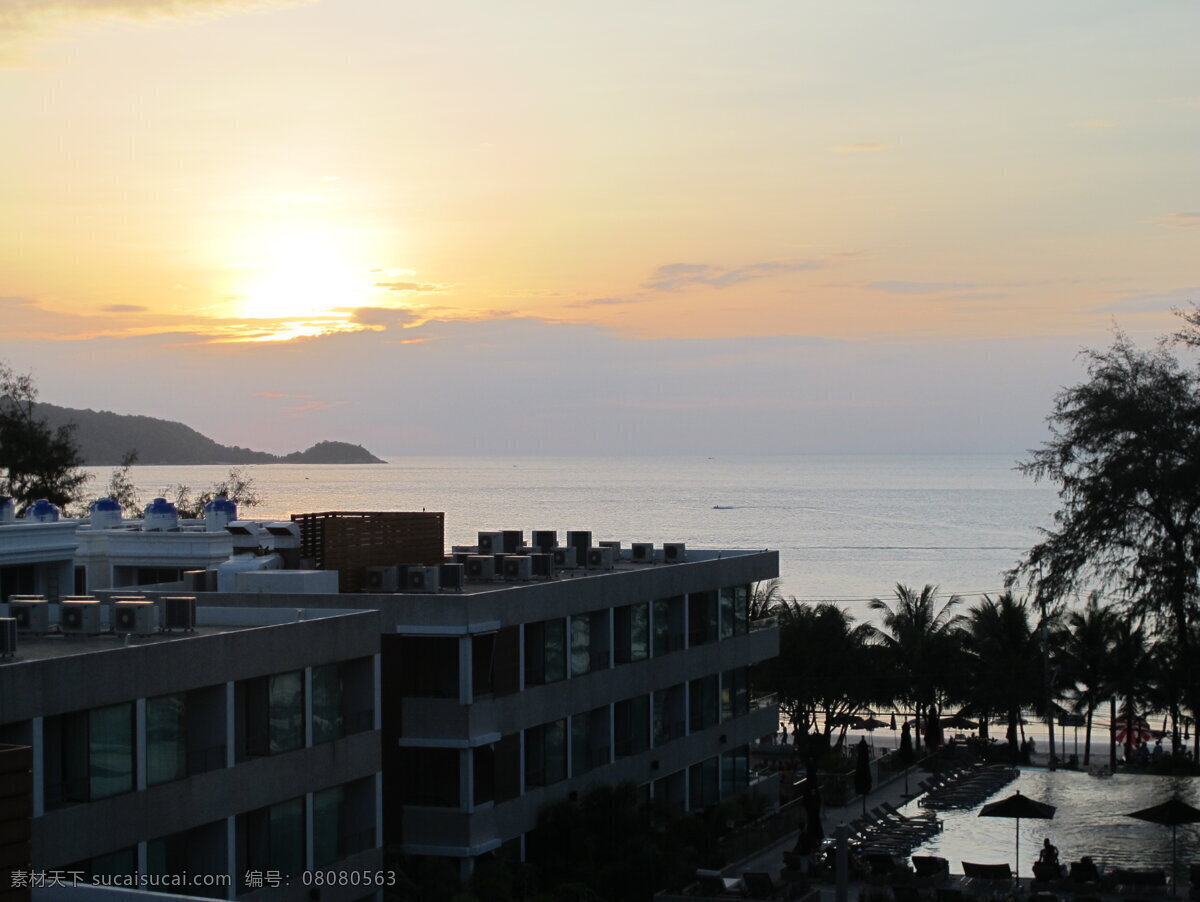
(104, 438)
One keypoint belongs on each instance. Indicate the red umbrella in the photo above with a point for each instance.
(1135, 732)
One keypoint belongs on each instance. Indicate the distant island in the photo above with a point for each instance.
(104, 438)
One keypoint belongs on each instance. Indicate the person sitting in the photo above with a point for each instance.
(1047, 867)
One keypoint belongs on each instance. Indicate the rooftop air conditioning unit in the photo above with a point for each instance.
(139, 618)
(518, 566)
(600, 558)
(451, 576)
(481, 566)
(565, 558)
(544, 540)
(460, 557)
(383, 578)
(421, 579)
(642, 552)
(491, 542)
(8, 636)
(674, 552)
(616, 548)
(79, 616)
(513, 539)
(32, 614)
(581, 541)
(542, 564)
(179, 613)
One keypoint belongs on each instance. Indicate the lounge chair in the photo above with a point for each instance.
(931, 867)
(978, 871)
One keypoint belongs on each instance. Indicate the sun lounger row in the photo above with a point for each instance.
(887, 832)
(968, 788)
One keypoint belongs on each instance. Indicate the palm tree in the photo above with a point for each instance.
(921, 640)
(765, 597)
(1130, 669)
(1086, 649)
(1002, 644)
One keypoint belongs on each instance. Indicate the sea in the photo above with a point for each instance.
(847, 529)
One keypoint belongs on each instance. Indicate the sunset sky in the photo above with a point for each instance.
(509, 226)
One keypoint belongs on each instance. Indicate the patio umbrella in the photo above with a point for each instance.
(1018, 806)
(872, 723)
(1135, 732)
(959, 722)
(1170, 813)
(893, 720)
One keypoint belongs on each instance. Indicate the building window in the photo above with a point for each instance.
(741, 610)
(273, 713)
(589, 642)
(98, 753)
(631, 623)
(429, 666)
(705, 707)
(329, 832)
(668, 625)
(272, 838)
(546, 753)
(201, 850)
(704, 784)
(735, 692)
(735, 771)
(669, 714)
(166, 738)
(429, 777)
(632, 725)
(328, 721)
(726, 612)
(545, 652)
(590, 740)
(702, 618)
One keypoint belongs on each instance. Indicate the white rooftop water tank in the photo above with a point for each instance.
(42, 511)
(105, 513)
(160, 516)
(219, 513)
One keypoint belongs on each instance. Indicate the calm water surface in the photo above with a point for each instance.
(1090, 820)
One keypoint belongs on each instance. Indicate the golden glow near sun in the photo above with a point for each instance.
(299, 276)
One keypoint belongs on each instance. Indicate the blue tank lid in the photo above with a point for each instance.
(160, 506)
(105, 504)
(221, 505)
(42, 510)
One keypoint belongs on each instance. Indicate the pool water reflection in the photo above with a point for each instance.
(1090, 820)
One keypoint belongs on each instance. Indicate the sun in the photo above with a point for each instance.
(299, 275)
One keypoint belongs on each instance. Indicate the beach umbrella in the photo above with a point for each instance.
(1172, 813)
(893, 720)
(1018, 806)
(1134, 731)
(959, 722)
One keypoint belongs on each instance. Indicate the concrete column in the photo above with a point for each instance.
(230, 730)
(379, 810)
(466, 691)
(466, 778)
(308, 830)
(687, 626)
(141, 857)
(377, 662)
(231, 862)
(38, 741)
(308, 715)
(139, 732)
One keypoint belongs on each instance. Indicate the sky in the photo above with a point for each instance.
(550, 226)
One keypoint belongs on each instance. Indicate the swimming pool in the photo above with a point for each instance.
(1090, 820)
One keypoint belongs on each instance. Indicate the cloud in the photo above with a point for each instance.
(902, 287)
(1096, 124)
(676, 276)
(1156, 302)
(604, 302)
(22, 19)
(862, 147)
(410, 286)
(1182, 220)
(387, 317)
(124, 308)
